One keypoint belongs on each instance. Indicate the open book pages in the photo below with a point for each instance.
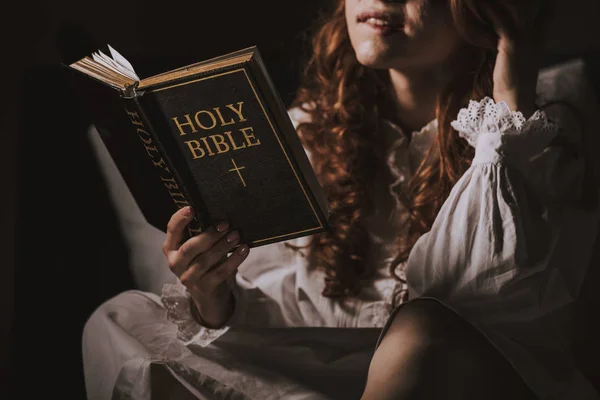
(117, 63)
(116, 71)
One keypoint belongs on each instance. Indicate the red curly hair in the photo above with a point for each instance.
(346, 102)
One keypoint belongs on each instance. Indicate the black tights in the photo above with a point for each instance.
(429, 352)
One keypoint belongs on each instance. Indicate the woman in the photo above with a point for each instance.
(471, 214)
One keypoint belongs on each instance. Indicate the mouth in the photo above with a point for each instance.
(382, 22)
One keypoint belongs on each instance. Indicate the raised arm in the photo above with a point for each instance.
(514, 238)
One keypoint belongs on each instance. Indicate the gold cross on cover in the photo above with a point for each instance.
(238, 169)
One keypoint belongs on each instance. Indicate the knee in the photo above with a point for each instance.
(431, 352)
(419, 355)
(437, 337)
(428, 324)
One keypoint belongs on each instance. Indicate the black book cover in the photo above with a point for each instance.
(228, 144)
(108, 110)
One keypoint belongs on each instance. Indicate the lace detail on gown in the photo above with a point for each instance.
(403, 157)
(394, 293)
(401, 294)
(176, 301)
(399, 152)
(497, 132)
(486, 116)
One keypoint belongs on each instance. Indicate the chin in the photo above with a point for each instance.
(381, 60)
(376, 57)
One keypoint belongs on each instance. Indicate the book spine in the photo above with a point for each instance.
(167, 174)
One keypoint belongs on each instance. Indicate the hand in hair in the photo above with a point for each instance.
(517, 63)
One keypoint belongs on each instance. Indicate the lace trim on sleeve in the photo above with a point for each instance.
(176, 301)
(486, 116)
(506, 132)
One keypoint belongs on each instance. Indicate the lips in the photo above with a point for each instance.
(381, 21)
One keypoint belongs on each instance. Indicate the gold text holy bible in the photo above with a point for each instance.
(214, 135)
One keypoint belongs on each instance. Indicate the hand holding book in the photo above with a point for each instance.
(204, 263)
(215, 136)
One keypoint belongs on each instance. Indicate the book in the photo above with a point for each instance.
(214, 135)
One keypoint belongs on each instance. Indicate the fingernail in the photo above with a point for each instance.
(233, 236)
(222, 226)
(242, 250)
(188, 211)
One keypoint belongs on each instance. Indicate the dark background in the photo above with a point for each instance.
(64, 253)
(69, 253)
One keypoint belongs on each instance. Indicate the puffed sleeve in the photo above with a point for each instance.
(514, 238)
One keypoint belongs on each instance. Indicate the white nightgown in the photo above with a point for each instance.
(508, 251)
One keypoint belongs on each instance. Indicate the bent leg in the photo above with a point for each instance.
(429, 352)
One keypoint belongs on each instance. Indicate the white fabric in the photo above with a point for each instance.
(504, 253)
(508, 251)
(128, 336)
(277, 287)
